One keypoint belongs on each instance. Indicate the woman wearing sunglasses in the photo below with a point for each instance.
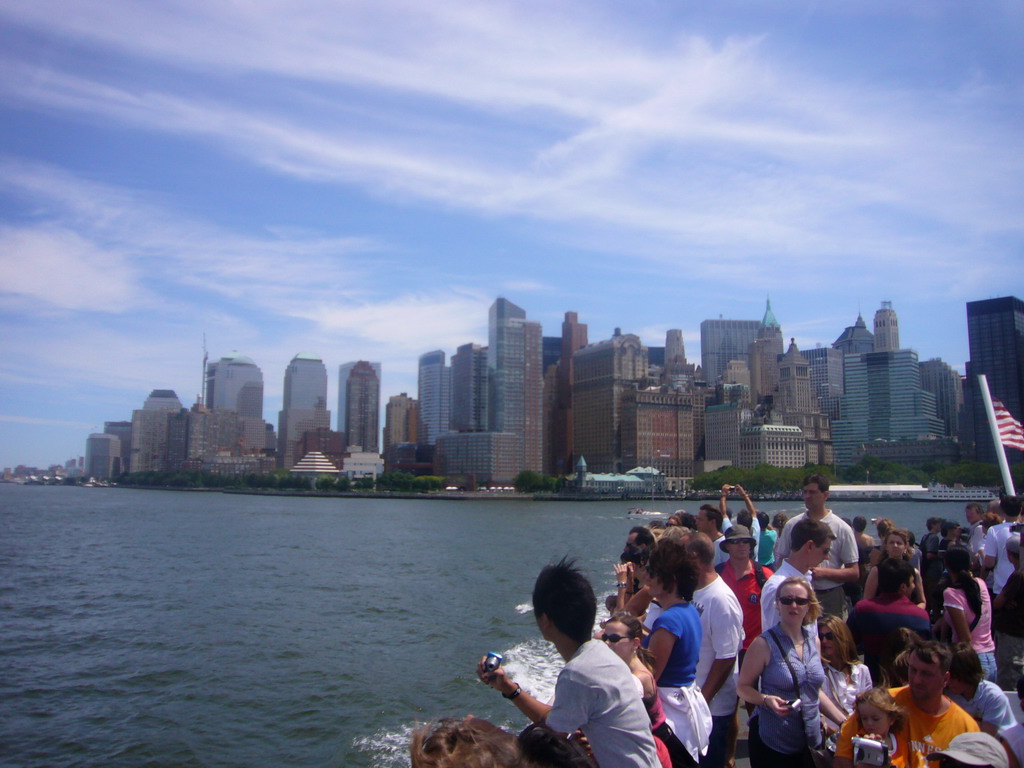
(623, 633)
(675, 644)
(787, 661)
(845, 676)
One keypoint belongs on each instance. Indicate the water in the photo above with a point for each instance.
(145, 628)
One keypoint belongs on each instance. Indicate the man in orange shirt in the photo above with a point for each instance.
(932, 719)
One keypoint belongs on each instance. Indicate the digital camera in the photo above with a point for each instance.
(492, 662)
(870, 751)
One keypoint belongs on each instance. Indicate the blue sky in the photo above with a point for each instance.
(361, 179)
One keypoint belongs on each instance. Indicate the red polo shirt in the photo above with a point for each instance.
(748, 592)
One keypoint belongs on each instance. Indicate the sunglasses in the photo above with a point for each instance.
(789, 600)
(613, 638)
(826, 636)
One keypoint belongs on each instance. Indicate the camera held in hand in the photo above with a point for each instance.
(870, 752)
(492, 662)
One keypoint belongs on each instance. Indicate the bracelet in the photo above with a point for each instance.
(516, 692)
(622, 585)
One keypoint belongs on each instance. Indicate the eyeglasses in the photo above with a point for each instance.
(613, 638)
(789, 600)
(826, 636)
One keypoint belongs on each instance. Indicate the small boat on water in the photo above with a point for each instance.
(642, 511)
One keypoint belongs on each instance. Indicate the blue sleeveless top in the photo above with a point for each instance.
(791, 733)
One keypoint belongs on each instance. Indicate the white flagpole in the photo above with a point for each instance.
(1004, 467)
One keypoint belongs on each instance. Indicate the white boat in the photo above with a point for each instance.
(937, 492)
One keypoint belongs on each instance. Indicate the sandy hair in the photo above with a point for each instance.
(883, 700)
(813, 608)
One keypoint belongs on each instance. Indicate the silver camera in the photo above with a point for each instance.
(870, 752)
(492, 662)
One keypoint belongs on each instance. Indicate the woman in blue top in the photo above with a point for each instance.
(675, 643)
(787, 660)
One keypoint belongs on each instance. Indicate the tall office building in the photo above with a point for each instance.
(362, 405)
(343, 371)
(765, 352)
(304, 406)
(514, 361)
(795, 405)
(826, 374)
(722, 341)
(235, 383)
(561, 452)
(887, 329)
(469, 389)
(602, 372)
(946, 385)
(434, 396)
(883, 401)
(401, 421)
(102, 455)
(150, 432)
(123, 431)
(995, 332)
(663, 428)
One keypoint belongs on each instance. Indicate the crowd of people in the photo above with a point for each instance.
(837, 647)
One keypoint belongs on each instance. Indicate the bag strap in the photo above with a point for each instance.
(785, 658)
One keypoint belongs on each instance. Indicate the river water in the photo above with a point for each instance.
(153, 628)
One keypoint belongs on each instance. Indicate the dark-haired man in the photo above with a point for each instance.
(811, 542)
(710, 521)
(874, 621)
(595, 691)
(841, 565)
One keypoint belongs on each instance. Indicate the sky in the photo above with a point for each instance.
(361, 179)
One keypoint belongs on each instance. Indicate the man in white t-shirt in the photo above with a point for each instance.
(721, 623)
(811, 541)
(995, 543)
(841, 566)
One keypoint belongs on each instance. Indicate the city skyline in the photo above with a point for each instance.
(330, 179)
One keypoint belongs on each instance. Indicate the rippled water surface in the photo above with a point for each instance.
(149, 628)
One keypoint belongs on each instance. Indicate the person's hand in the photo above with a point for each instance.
(777, 705)
(726, 489)
(496, 678)
(739, 490)
(623, 573)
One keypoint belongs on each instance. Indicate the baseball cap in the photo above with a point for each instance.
(978, 749)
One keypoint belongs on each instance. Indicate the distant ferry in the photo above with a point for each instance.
(897, 492)
(937, 492)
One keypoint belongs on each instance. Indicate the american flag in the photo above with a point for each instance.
(1011, 434)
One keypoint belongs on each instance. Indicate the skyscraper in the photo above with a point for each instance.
(721, 341)
(343, 371)
(797, 406)
(304, 405)
(150, 431)
(102, 455)
(434, 396)
(883, 401)
(602, 372)
(946, 385)
(995, 332)
(826, 374)
(469, 389)
(401, 421)
(887, 328)
(514, 359)
(235, 382)
(562, 453)
(362, 404)
(765, 352)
